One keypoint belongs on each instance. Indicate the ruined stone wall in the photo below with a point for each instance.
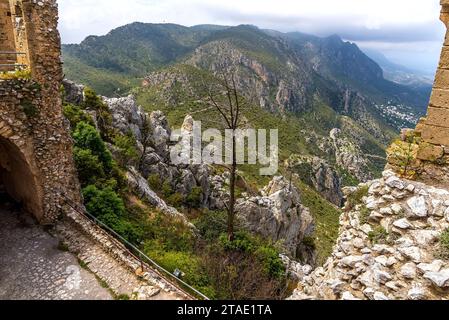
(20, 34)
(424, 152)
(435, 128)
(31, 114)
(7, 43)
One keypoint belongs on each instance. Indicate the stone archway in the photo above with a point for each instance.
(18, 180)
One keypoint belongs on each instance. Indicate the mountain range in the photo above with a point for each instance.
(401, 74)
(307, 85)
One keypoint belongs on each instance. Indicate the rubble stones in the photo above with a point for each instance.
(404, 265)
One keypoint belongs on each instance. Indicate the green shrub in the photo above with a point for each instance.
(176, 200)
(211, 224)
(29, 108)
(18, 74)
(154, 181)
(269, 257)
(104, 117)
(87, 137)
(243, 241)
(127, 149)
(90, 168)
(167, 189)
(193, 199)
(168, 233)
(444, 245)
(364, 215)
(309, 242)
(104, 204)
(75, 115)
(378, 235)
(356, 197)
(92, 101)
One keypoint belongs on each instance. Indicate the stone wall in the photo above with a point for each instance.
(7, 43)
(31, 119)
(389, 248)
(20, 34)
(424, 152)
(434, 128)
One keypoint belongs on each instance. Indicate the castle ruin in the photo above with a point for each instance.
(423, 153)
(36, 164)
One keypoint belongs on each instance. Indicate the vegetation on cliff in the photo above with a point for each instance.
(247, 268)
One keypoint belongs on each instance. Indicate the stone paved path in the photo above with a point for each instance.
(32, 266)
(119, 278)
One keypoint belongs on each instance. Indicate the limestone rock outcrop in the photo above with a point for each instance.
(349, 156)
(152, 133)
(389, 246)
(140, 187)
(73, 92)
(320, 175)
(279, 215)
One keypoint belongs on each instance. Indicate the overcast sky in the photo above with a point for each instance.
(406, 31)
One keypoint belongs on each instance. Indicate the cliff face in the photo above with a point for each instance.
(392, 245)
(36, 163)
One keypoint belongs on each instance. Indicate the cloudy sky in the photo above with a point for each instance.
(406, 31)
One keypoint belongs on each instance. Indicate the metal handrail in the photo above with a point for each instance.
(13, 65)
(13, 52)
(129, 245)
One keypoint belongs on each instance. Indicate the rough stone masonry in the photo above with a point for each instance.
(435, 128)
(424, 152)
(36, 162)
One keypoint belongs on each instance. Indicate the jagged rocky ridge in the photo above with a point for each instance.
(277, 214)
(320, 175)
(388, 246)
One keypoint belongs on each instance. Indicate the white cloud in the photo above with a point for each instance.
(385, 21)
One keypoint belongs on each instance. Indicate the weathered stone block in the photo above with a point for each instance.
(430, 152)
(435, 135)
(442, 79)
(438, 117)
(440, 98)
(420, 126)
(444, 59)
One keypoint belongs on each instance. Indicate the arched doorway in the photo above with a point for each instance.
(17, 179)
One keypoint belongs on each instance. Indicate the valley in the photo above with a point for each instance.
(334, 111)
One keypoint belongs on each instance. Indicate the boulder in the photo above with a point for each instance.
(418, 207)
(408, 270)
(403, 224)
(161, 133)
(440, 279)
(279, 216)
(73, 93)
(417, 293)
(424, 238)
(412, 253)
(127, 116)
(435, 266)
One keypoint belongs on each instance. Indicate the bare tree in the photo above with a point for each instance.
(224, 97)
